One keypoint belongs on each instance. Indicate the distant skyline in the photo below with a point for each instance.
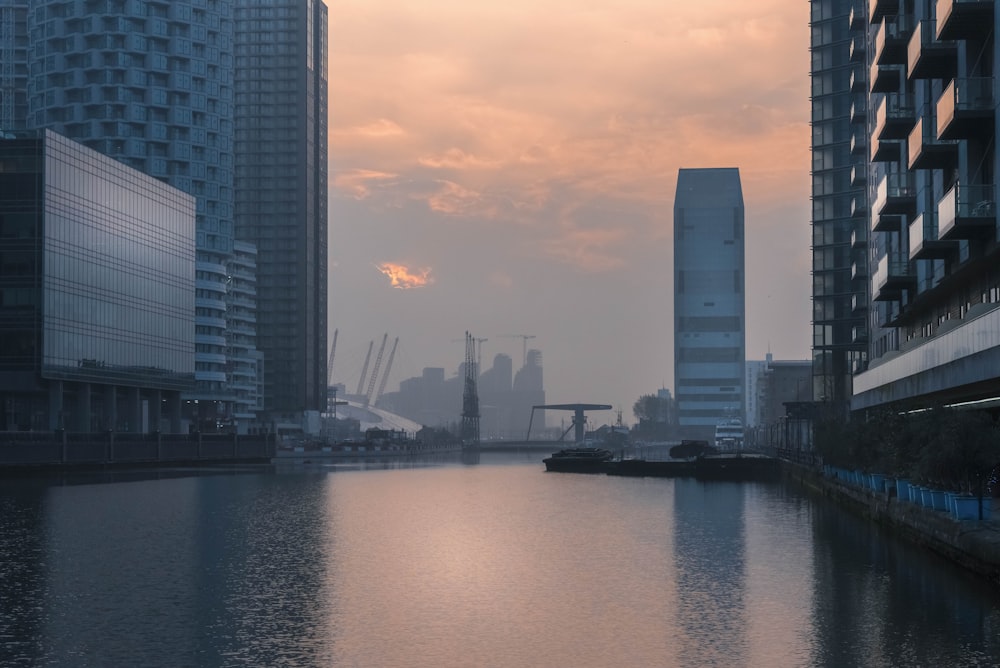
(508, 168)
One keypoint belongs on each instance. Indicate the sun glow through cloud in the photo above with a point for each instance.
(405, 278)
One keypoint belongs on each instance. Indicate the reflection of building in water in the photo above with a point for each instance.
(710, 558)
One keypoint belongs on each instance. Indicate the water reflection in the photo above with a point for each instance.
(205, 571)
(497, 564)
(709, 558)
(884, 603)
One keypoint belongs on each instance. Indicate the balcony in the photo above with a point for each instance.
(886, 78)
(859, 109)
(966, 108)
(928, 57)
(879, 9)
(886, 150)
(895, 116)
(859, 304)
(926, 150)
(857, 19)
(859, 141)
(891, 38)
(924, 241)
(859, 237)
(859, 271)
(857, 51)
(859, 206)
(962, 19)
(895, 195)
(859, 175)
(892, 276)
(967, 212)
(888, 222)
(858, 84)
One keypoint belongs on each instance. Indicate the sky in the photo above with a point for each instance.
(508, 169)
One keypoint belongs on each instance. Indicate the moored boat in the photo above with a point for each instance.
(579, 460)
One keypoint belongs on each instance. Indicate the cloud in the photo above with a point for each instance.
(405, 278)
(357, 181)
(501, 113)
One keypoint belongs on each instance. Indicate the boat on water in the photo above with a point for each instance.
(579, 460)
(729, 435)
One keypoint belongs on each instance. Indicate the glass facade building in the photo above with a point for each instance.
(840, 224)
(96, 291)
(709, 300)
(13, 65)
(281, 190)
(151, 84)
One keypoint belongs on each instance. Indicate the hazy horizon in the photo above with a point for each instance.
(509, 169)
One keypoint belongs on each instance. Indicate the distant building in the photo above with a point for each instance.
(773, 383)
(709, 319)
(504, 401)
(97, 275)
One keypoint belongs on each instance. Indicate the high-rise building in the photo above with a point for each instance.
(151, 84)
(709, 300)
(281, 190)
(932, 175)
(97, 275)
(13, 65)
(839, 204)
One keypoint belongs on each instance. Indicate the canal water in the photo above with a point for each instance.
(445, 564)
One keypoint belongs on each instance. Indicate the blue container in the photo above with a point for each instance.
(938, 500)
(966, 508)
(878, 482)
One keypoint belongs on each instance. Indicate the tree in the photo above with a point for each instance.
(652, 407)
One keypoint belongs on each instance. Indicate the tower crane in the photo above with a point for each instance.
(479, 359)
(524, 351)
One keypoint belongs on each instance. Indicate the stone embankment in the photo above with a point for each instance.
(971, 543)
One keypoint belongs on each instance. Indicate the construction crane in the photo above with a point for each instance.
(378, 363)
(524, 351)
(478, 359)
(470, 397)
(385, 374)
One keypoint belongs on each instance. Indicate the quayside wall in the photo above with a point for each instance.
(72, 450)
(973, 544)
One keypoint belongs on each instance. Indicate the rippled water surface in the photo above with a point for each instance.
(495, 564)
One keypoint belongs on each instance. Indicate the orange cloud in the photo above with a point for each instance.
(356, 181)
(403, 277)
(502, 113)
